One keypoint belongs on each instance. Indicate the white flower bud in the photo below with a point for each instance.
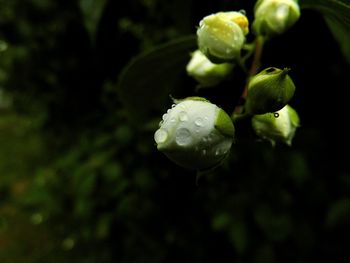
(195, 134)
(206, 73)
(221, 36)
(277, 127)
(273, 17)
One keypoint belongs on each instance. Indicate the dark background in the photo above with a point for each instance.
(80, 183)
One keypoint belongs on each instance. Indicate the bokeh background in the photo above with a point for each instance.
(81, 182)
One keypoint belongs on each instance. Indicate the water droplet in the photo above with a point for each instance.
(160, 136)
(165, 116)
(243, 12)
(198, 122)
(183, 116)
(223, 148)
(183, 137)
(173, 105)
(276, 114)
(172, 120)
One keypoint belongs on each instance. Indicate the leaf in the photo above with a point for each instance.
(337, 16)
(147, 81)
(339, 213)
(92, 11)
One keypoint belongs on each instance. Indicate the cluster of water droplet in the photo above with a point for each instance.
(185, 132)
(189, 128)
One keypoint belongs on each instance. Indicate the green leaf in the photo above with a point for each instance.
(92, 11)
(339, 213)
(147, 81)
(337, 16)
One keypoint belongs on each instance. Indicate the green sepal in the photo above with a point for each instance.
(269, 91)
(224, 124)
(294, 117)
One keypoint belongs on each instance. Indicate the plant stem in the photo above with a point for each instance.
(254, 68)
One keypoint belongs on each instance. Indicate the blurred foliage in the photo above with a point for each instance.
(79, 183)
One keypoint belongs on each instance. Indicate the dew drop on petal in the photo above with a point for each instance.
(183, 137)
(198, 122)
(172, 120)
(243, 12)
(183, 116)
(223, 148)
(276, 114)
(160, 136)
(165, 116)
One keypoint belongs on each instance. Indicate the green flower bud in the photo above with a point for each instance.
(221, 36)
(269, 91)
(195, 134)
(277, 127)
(206, 73)
(273, 17)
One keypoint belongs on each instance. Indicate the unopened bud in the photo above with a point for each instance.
(205, 72)
(273, 17)
(221, 36)
(195, 134)
(277, 127)
(269, 91)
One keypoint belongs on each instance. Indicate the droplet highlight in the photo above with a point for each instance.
(276, 115)
(183, 137)
(183, 116)
(160, 136)
(199, 122)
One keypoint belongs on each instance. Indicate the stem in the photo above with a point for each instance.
(254, 68)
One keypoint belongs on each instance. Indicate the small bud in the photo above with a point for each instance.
(206, 73)
(277, 127)
(269, 91)
(273, 17)
(221, 36)
(195, 134)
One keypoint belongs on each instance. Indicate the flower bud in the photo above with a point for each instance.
(206, 73)
(195, 134)
(269, 91)
(277, 127)
(221, 36)
(273, 17)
